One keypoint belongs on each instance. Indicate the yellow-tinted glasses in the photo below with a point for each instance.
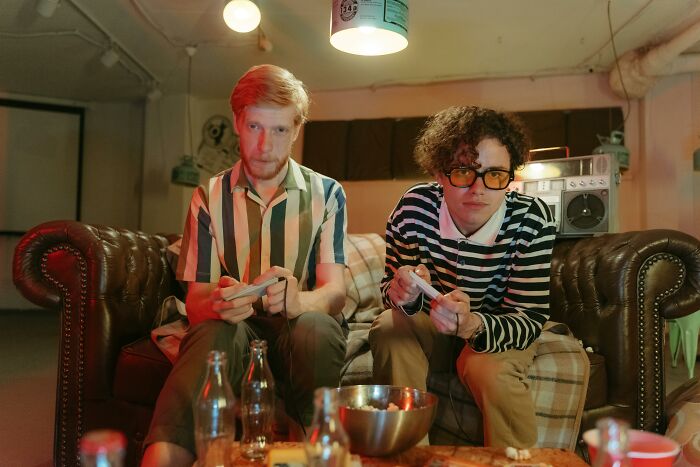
(494, 179)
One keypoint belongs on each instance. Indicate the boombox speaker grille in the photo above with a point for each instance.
(585, 212)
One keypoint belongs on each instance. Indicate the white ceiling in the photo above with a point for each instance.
(448, 40)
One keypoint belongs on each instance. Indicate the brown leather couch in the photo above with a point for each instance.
(613, 291)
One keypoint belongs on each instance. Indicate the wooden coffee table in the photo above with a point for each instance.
(450, 456)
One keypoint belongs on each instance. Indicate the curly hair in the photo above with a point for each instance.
(456, 129)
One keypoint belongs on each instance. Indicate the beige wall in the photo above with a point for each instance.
(167, 140)
(112, 164)
(668, 187)
(369, 203)
(659, 190)
(111, 188)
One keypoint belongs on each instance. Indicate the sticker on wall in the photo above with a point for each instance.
(219, 147)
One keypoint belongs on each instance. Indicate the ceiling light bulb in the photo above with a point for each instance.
(46, 8)
(109, 58)
(241, 15)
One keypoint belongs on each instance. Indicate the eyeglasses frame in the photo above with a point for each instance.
(511, 177)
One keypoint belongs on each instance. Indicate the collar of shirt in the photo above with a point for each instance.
(486, 235)
(294, 180)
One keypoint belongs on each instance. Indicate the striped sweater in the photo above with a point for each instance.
(507, 281)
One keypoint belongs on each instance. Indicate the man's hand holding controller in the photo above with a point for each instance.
(450, 313)
(234, 301)
(253, 289)
(403, 289)
(227, 308)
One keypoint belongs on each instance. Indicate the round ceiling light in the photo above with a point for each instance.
(241, 15)
(369, 28)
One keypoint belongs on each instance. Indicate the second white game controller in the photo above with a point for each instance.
(253, 289)
(427, 289)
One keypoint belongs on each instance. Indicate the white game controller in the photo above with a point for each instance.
(427, 289)
(253, 289)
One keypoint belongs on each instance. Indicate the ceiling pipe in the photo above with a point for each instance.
(641, 68)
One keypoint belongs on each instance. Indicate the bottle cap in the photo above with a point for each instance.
(101, 441)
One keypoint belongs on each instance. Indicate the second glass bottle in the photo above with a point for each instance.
(257, 403)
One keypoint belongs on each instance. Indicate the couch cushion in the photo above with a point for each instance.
(365, 258)
(358, 358)
(558, 379)
(141, 372)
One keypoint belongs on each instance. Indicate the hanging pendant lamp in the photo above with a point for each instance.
(363, 27)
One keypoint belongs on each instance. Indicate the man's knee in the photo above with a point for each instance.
(318, 332)
(388, 325)
(476, 369)
(491, 374)
(214, 330)
(214, 335)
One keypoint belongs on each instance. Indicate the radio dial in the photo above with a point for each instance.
(572, 184)
(582, 183)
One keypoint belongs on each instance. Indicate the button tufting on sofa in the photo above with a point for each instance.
(612, 291)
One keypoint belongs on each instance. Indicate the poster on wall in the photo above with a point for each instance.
(218, 149)
(40, 164)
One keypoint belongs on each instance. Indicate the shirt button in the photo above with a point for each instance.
(462, 261)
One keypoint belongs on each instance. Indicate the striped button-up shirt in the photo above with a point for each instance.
(231, 231)
(504, 267)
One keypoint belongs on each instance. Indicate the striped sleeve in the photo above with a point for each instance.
(334, 225)
(402, 248)
(525, 305)
(198, 261)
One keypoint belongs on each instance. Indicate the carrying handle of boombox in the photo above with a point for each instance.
(532, 152)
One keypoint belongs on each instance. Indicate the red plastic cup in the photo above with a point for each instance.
(646, 449)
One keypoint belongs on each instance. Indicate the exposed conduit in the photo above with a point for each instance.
(641, 68)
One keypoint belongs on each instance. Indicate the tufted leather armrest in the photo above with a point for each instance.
(108, 285)
(614, 292)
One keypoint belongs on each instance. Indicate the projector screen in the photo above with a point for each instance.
(40, 164)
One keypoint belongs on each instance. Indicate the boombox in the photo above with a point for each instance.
(581, 192)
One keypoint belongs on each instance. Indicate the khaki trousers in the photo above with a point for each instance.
(403, 347)
(310, 349)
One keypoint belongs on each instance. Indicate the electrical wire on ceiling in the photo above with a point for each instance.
(617, 64)
(113, 51)
(149, 78)
(191, 50)
(76, 33)
(629, 20)
(262, 41)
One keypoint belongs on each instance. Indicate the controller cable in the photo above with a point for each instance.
(297, 414)
(453, 373)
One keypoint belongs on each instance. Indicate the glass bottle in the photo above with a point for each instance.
(327, 444)
(214, 416)
(102, 448)
(613, 443)
(257, 403)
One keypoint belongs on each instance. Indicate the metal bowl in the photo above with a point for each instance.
(383, 432)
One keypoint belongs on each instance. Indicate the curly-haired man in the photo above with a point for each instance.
(487, 251)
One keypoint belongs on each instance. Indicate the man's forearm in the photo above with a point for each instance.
(328, 299)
